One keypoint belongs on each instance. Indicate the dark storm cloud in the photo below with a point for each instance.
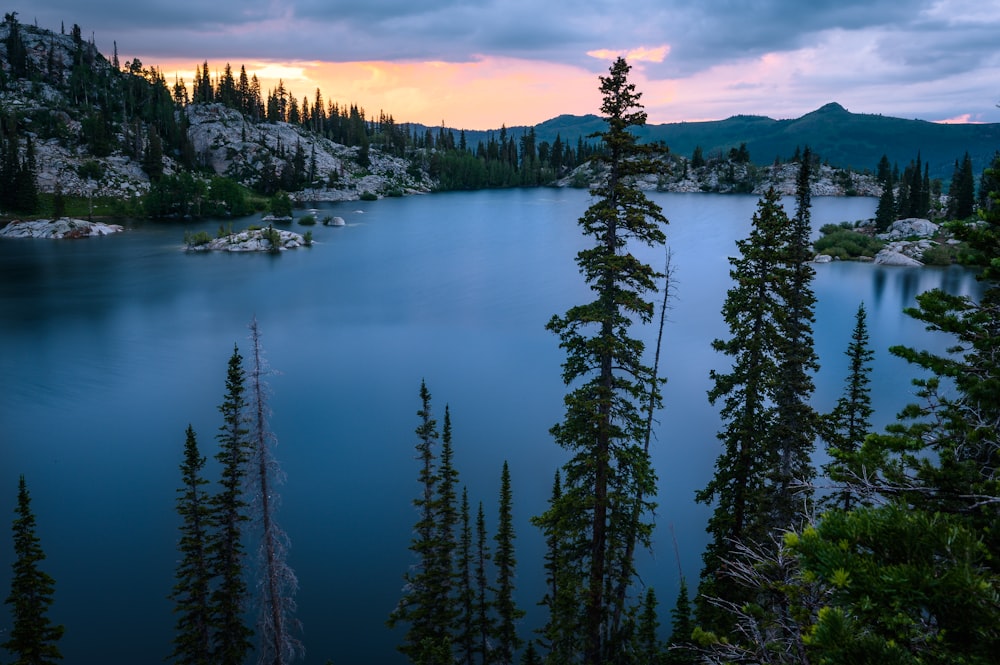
(700, 34)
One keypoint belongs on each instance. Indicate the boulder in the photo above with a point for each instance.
(889, 257)
(911, 226)
(823, 258)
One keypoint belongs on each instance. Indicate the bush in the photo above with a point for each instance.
(940, 255)
(197, 239)
(307, 220)
(843, 242)
(308, 238)
(368, 196)
(394, 193)
(90, 170)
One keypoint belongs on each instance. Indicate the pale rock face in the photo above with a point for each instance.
(911, 226)
(823, 258)
(889, 257)
(63, 227)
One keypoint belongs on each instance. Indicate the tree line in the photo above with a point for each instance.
(888, 557)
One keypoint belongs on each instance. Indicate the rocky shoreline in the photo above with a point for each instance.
(64, 227)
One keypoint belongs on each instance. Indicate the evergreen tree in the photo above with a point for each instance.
(885, 213)
(425, 605)
(507, 640)
(962, 193)
(648, 648)
(484, 624)
(192, 591)
(793, 429)
(563, 577)
(603, 425)
(465, 633)
(230, 636)
(682, 627)
(276, 582)
(755, 311)
(33, 638)
(849, 423)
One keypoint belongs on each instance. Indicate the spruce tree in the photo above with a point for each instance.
(846, 427)
(507, 639)
(484, 624)
(793, 430)
(603, 426)
(192, 590)
(465, 628)
(230, 635)
(682, 627)
(33, 638)
(425, 605)
(277, 626)
(754, 309)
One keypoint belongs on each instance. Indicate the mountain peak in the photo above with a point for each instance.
(832, 107)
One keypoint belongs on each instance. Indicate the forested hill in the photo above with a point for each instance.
(843, 138)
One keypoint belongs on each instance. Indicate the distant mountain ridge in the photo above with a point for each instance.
(842, 138)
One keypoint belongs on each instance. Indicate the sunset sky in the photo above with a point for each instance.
(477, 64)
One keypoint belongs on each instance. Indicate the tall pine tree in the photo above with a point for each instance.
(754, 309)
(846, 427)
(425, 605)
(505, 562)
(33, 638)
(192, 590)
(230, 635)
(603, 426)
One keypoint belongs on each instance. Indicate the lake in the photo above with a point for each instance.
(112, 345)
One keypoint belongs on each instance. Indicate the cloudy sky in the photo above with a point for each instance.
(478, 64)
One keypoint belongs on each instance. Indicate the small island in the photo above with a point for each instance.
(64, 227)
(253, 239)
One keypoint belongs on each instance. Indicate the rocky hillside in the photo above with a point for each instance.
(96, 127)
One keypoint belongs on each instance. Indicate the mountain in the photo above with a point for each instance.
(840, 137)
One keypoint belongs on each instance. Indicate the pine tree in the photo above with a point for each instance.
(192, 591)
(885, 213)
(483, 603)
(681, 629)
(33, 638)
(793, 430)
(563, 577)
(505, 562)
(230, 636)
(603, 426)
(754, 310)
(648, 648)
(425, 605)
(276, 583)
(846, 427)
(465, 629)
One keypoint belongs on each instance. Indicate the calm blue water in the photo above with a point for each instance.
(111, 346)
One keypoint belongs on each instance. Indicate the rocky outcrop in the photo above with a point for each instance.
(63, 227)
(727, 177)
(910, 227)
(252, 240)
(889, 258)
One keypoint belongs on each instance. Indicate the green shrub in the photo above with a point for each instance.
(394, 193)
(307, 220)
(197, 239)
(940, 255)
(368, 196)
(90, 170)
(308, 238)
(841, 241)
